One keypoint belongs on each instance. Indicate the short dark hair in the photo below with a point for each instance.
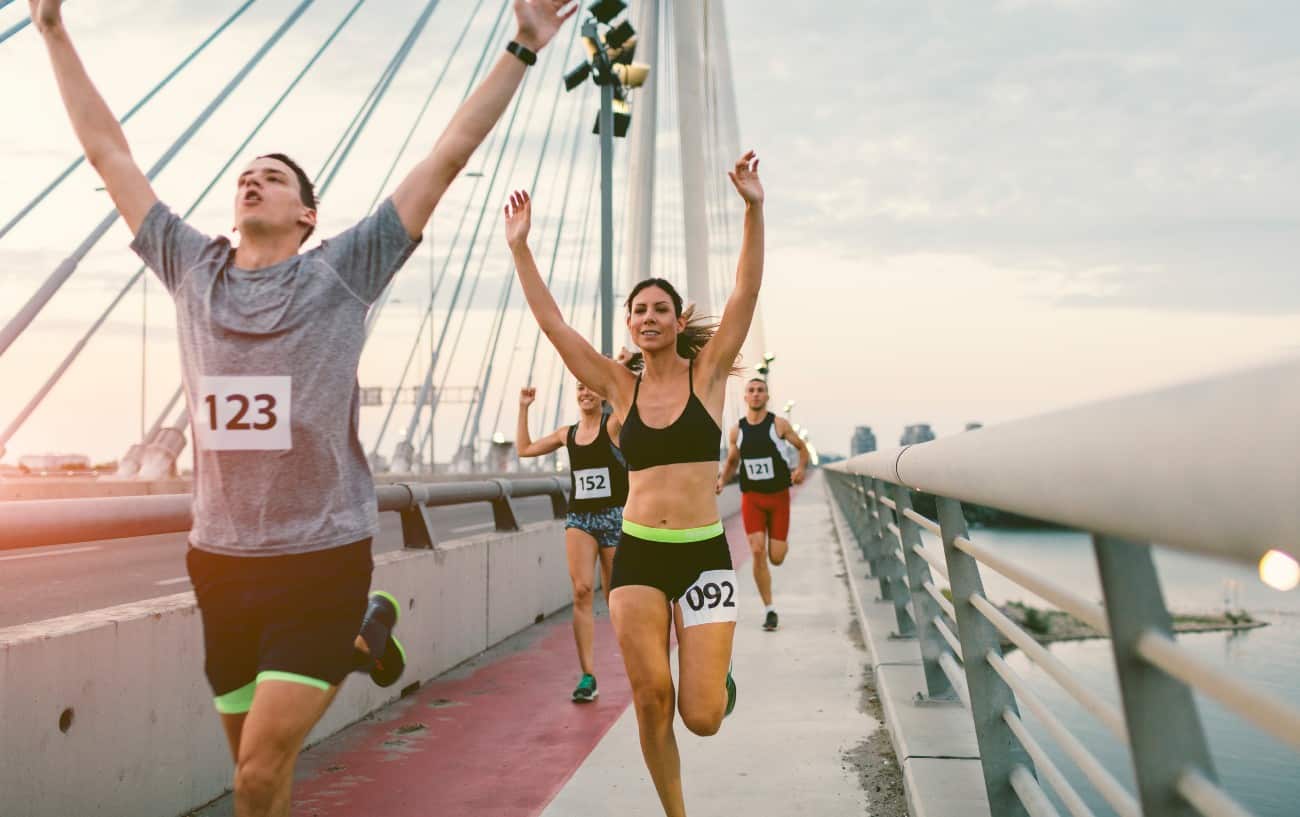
(762, 380)
(306, 190)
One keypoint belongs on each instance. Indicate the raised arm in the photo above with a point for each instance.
(97, 129)
(601, 374)
(419, 193)
(719, 354)
(524, 443)
(730, 463)
(786, 432)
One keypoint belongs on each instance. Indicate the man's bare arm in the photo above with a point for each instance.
(97, 129)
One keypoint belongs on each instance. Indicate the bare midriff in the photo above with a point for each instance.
(675, 496)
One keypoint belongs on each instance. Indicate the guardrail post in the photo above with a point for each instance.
(925, 609)
(417, 524)
(1164, 726)
(892, 569)
(871, 546)
(503, 510)
(559, 503)
(876, 516)
(1000, 751)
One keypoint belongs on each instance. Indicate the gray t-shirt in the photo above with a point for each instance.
(269, 359)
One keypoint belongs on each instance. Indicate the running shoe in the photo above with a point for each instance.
(387, 656)
(731, 694)
(586, 691)
(769, 623)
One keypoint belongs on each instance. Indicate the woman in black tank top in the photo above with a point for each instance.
(598, 489)
(673, 566)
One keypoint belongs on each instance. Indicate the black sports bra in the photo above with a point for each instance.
(693, 437)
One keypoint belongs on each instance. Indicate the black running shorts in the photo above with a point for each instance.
(691, 566)
(286, 618)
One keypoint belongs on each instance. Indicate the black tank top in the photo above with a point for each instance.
(597, 475)
(762, 468)
(692, 437)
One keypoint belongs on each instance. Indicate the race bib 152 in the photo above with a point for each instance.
(243, 413)
(759, 469)
(591, 483)
(711, 599)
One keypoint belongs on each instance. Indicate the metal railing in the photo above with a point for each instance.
(1211, 468)
(33, 523)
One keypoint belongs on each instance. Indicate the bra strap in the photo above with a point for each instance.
(636, 390)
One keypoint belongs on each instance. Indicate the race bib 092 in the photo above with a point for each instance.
(243, 413)
(759, 469)
(591, 483)
(711, 599)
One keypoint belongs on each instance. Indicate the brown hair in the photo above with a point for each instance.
(699, 330)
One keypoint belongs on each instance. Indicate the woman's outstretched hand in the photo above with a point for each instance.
(745, 177)
(539, 20)
(519, 217)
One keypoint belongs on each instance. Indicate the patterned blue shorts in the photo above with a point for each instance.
(604, 526)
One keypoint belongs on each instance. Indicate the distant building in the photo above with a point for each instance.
(918, 433)
(862, 442)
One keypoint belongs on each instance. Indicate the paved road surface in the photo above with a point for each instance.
(41, 583)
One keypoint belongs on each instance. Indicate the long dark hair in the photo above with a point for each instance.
(699, 330)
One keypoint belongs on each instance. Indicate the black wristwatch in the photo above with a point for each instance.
(525, 54)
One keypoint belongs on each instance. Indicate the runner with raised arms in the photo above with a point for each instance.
(597, 491)
(271, 337)
(672, 567)
(765, 479)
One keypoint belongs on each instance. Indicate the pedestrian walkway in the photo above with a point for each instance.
(498, 736)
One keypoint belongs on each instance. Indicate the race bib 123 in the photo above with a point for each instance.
(243, 413)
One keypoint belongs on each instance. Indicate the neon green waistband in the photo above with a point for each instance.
(673, 535)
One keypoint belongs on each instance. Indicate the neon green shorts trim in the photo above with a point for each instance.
(673, 535)
(236, 702)
(291, 677)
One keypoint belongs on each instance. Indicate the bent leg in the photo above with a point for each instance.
(778, 546)
(606, 570)
(703, 660)
(283, 713)
(777, 549)
(641, 621)
(581, 550)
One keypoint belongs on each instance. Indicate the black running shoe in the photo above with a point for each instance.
(387, 659)
(769, 623)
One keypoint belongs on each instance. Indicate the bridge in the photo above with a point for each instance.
(908, 677)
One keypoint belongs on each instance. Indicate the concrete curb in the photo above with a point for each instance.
(934, 743)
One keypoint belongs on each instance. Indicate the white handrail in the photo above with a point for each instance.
(1159, 467)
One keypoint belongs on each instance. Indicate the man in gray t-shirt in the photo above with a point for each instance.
(284, 505)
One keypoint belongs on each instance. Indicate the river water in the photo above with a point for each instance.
(1260, 772)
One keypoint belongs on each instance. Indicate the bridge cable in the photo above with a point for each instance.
(42, 297)
(76, 350)
(144, 100)
(419, 406)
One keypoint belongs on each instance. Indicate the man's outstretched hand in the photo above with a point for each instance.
(539, 20)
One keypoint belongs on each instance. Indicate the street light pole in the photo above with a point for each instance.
(606, 218)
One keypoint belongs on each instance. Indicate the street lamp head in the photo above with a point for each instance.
(606, 10)
(768, 357)
(577, 76)
(622, 119)
(619, 35)
(762, 370)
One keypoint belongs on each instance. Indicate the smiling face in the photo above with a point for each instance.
(268, 201)
(588, 401)
(756, 395)
(652, 321)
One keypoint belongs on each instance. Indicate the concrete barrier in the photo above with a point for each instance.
(107, 712)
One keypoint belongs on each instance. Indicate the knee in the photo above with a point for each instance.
(757, 547)
(257, 779)
(582, 592)
(654, 703)
(702, 720)
(778, 552)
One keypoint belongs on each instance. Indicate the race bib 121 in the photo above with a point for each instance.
(243, 413)
(711, 599)
(591, 483)
(759, 469)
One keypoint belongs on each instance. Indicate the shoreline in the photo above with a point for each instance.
(1048, 626)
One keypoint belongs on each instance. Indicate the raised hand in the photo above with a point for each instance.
(745, 177)
(526, 396)
(539, 20)
(519, 218)
(46, 14)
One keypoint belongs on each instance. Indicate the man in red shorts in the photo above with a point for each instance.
(755, 446)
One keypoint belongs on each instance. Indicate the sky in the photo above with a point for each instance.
(976, 210)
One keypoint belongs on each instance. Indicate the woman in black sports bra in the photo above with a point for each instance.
(672, 567)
